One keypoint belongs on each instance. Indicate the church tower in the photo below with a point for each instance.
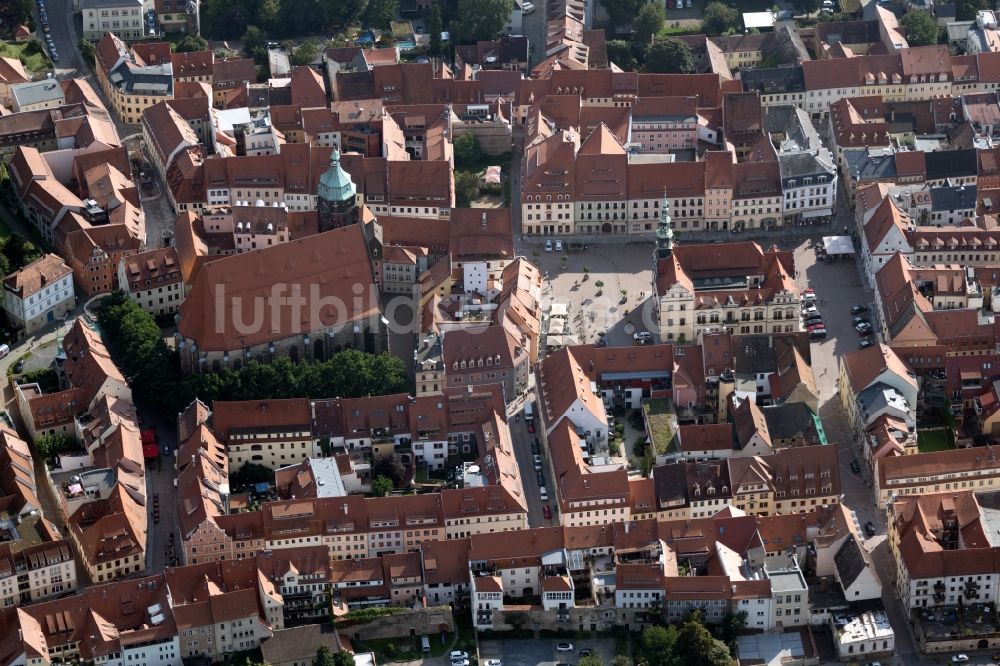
(664, 232)
(338, 197)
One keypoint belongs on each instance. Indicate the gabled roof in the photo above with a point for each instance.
(328, 266)
(866, 365)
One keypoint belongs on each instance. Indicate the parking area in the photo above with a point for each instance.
(543, 652)
(838, 287)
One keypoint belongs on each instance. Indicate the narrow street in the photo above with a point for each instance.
(522, 441)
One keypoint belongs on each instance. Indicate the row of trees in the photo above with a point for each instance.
(138, 349)
(668, 55)
(258, 21)
(347, 374)
(152, 369)
(228, 19)
(690, 645)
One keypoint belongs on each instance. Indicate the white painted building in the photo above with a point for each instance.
(39, 294)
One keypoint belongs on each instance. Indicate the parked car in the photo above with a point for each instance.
(855, 466)
(817, 334)
(547, 512)
(870, 528)
(527, 8)
(55, 57)
(642, 335)
(19, 366)
(540, 477)
(548, 246)
(559, 246)
(458, 654)
(864, 328)
(531, 428)
(538, 463)
(568, 647)
(813, 318)
(816, 327)
(536, 446)
(810, 310)
(860, 320)
(959, 658)
(858, 309)
(865, 344)
(493, 662)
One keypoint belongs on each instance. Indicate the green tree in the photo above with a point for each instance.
(620, 53)
(14, 13)
(269, 14)
(304, 53)
(255, 45)
(390, 466)
(621, 660)
(343, 658)
(87, 51)
(719, 18)
(191, 43)
(434, 26)
(695, 645)
(326, 657)
(481, 19)
(591, 660)
(467, 151)
(379, 13)
(658, 645)
(733, 625)
(806, 6)
(250, 474)
(466, 188)
(921, 30)
(669, 56)
(382, 486)
(224, 19)
(649, 21)
(622, 12)
(965, 10)
(49, 446)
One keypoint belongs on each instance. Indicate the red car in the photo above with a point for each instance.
(547, 512)
(531, 428)
(815, 327)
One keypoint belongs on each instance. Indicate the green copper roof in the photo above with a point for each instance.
(336, 184)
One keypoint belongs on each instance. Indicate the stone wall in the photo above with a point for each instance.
(937, 644)
(593, 618)
(428, 621)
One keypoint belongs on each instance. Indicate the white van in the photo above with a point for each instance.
(4, 350)
(425, 644)
(544, 494)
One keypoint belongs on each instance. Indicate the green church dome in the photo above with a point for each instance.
(336, 184)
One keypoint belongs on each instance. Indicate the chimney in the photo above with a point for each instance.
(483, 222)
